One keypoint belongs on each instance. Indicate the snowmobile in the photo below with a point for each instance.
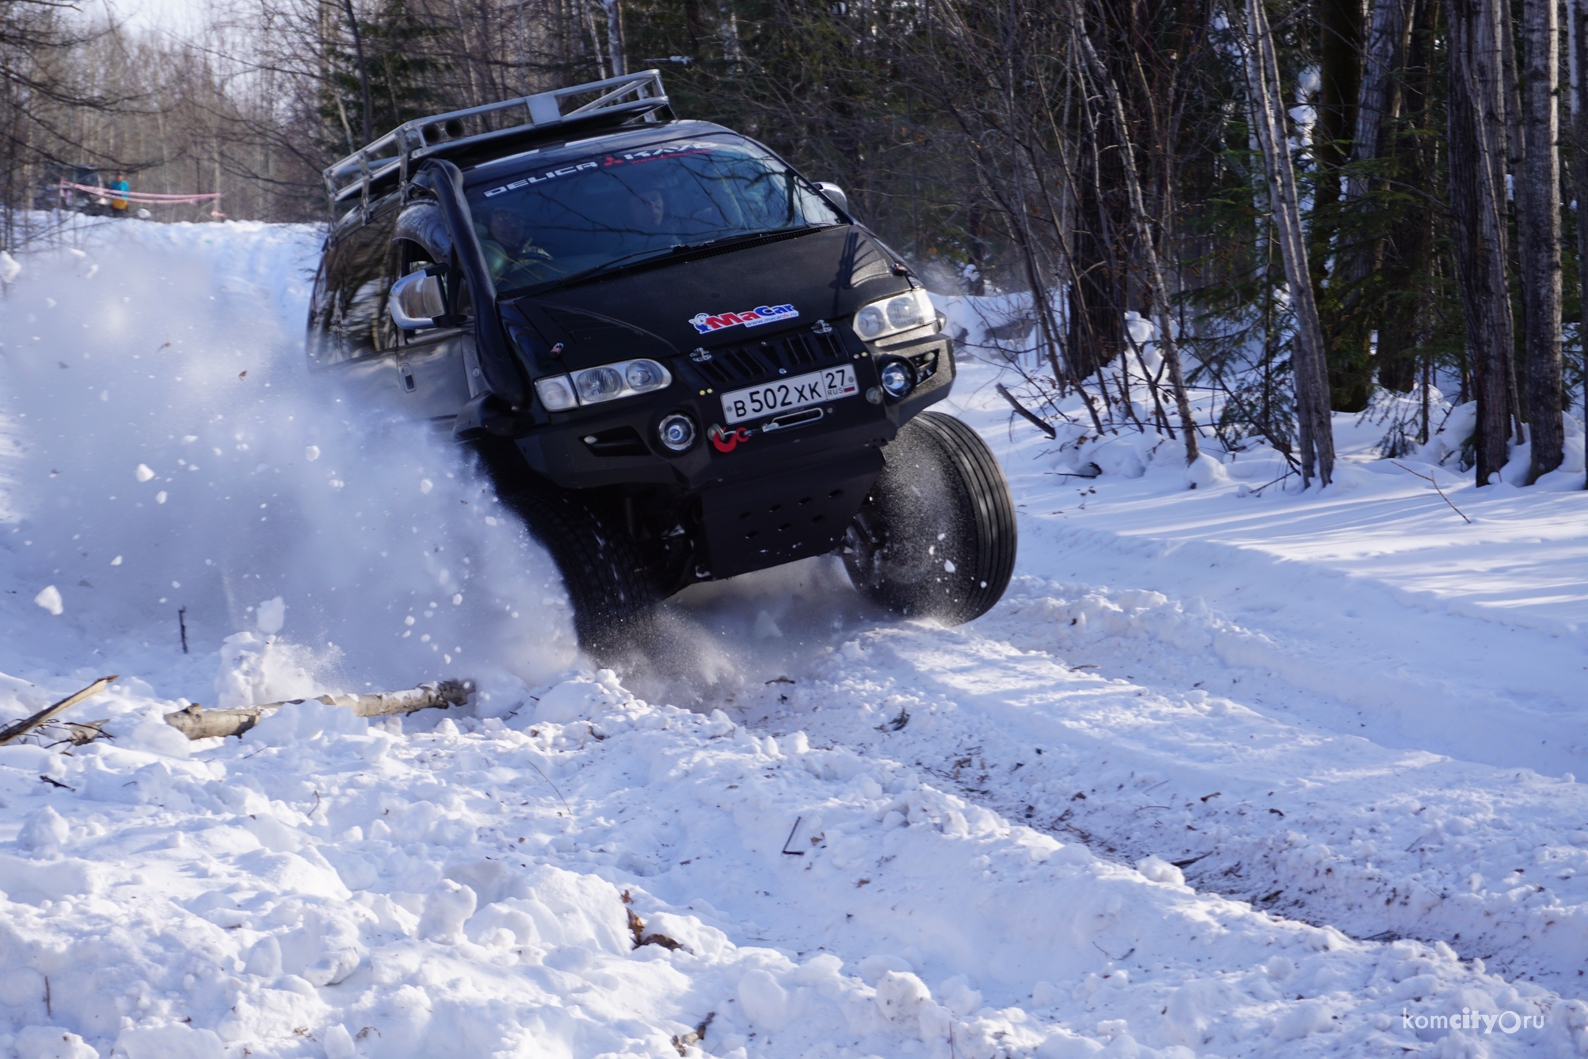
(678, 359)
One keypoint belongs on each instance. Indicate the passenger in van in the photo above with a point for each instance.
(648, 209)
(511, 254)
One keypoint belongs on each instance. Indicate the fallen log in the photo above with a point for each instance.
(17, 729)
(196, 722)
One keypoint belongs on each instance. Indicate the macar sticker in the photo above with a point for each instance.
(706, 323)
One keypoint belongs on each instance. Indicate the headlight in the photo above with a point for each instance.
(892, 315)
(609, 382)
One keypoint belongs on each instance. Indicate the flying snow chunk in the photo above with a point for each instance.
(161, 497)
(272, 616)
(143, 473)
(116, 561)
(10, 267)
(50, 599)
(311, 453)
(425, 485)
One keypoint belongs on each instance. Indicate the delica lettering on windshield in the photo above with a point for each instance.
(550, 174)
(706, 323)
(668, 150)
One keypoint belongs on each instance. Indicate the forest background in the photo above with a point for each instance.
(1318, 206)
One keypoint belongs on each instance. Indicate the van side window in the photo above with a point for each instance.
(349, 305)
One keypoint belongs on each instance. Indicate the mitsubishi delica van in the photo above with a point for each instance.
(678, 359)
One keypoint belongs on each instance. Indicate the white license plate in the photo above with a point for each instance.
(770, 398)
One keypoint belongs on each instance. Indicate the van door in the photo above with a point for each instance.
(434, 366)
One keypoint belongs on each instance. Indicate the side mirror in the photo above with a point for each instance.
(415, 301)
(836, 194)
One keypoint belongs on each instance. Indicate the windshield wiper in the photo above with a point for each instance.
(639, 256)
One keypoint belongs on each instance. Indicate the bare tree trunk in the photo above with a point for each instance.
(1539, 235)
(1147, 246)
(1477, 198)
(363, 70)
(1340, 53)
(615, 43)
(1577, 21)
(1377, 103)
(1308, 364)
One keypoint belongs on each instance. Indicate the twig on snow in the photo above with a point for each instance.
(1026, 413)
(793, 852)
(1438, 490)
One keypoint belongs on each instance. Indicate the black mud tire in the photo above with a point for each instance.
(936, 535)
(613, 595)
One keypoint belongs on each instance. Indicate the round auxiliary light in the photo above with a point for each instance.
(897, 378)
(676, 432)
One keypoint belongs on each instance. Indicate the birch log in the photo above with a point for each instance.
(1308, 364)
(197, 723)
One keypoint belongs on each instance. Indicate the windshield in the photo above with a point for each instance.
(556, 221)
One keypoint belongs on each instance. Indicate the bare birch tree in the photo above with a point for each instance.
(1308, 365)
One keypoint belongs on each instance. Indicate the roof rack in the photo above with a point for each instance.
(396, 153)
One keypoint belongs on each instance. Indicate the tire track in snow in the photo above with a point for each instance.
(1325, 827)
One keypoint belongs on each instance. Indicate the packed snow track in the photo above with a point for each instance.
(1226, 773)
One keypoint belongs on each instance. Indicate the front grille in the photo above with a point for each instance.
(784, 354)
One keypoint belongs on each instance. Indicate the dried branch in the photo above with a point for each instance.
(1025, 413)
(1429, 479)
(17, 729)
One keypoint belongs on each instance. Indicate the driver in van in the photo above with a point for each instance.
(511, 254)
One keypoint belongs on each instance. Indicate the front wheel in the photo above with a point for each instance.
(936, 536)
(612, 593)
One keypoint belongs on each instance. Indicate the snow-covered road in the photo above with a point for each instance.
(1224, 774)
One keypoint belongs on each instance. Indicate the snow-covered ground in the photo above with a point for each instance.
(1227, 773)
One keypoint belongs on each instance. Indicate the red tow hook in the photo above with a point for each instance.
(727, 440)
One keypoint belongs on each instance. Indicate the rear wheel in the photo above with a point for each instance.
(612, 593)
(936, 536)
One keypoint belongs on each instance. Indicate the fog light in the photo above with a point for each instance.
(897, 378)
(556, 393)
(676, 432)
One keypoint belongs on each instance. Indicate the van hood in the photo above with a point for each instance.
(712, 298)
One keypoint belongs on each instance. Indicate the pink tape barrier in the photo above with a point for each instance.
(151, 197)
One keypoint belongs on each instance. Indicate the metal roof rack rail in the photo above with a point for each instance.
(396, 153)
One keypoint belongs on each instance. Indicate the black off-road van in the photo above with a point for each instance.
(678, 358)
